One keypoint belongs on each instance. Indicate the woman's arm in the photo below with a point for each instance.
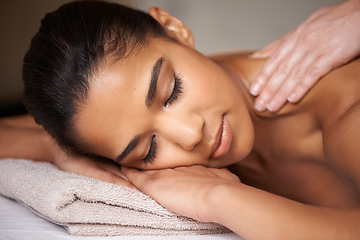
(20, 137)
(215, 195)
(256, 214)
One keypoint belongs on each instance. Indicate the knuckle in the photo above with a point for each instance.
(304, 86)
(267, 92)
(311, 37)
(313, 71)
(296, 75)
(263, 78)
(283, 69)
(275, 59)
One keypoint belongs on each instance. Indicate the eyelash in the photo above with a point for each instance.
(150, 157)
(176, 91)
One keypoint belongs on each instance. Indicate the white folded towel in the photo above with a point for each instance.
(87, 206)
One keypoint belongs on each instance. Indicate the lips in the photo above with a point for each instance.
(223, 140)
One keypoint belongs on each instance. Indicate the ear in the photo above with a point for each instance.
(173, 26)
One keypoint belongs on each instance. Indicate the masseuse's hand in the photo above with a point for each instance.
(327, 39)
(187, 191)
(102, 169)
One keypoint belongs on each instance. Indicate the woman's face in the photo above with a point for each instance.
(164, 107)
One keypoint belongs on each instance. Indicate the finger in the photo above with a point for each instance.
(267, 51)
(125, 183)
(312, 75)
(271, 65)
(112, 167)
(111, 178)
(270, 49)
(296, 75)
(279, 77)
(135, 176)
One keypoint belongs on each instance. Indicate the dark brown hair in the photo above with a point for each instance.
(70, 44)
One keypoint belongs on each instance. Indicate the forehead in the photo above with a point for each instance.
(116, 101)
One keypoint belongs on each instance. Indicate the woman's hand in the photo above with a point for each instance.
(327, 39)
(187, 191)
(102, 169)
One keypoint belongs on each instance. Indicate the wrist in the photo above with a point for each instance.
(219, 199)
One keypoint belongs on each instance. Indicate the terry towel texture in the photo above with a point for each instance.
(86, 206)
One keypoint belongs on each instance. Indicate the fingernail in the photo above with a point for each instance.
(260, 105)
(291, 97)
(271, 105)
(255, 89)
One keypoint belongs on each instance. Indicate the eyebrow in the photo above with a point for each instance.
(128, 149)
(149, 100)
(153, 82)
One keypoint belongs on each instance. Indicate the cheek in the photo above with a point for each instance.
(204, 89)
(243, 133)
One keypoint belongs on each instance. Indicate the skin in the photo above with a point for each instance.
(294, 173)
(326, 40)
(268, 151)
(185, 130)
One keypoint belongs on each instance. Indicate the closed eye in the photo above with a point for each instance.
(150, 157)
(176, 91)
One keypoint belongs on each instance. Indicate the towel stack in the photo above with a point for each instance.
(90, 207)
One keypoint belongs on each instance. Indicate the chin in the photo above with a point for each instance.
(241, 150)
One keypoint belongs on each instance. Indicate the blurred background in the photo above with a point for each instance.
(218, 26)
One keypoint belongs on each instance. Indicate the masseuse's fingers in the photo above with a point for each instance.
(273, 74)
(291, 85)
(312, 72)
(292, 79)
(326, 40)
(267, 51)
(271, 50)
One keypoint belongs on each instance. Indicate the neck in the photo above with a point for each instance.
(244, 70)
(244, 82)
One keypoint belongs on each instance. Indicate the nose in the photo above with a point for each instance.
(183, 129)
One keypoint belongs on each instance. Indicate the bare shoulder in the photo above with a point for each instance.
(240, 64)
(336, 94)
(19, 121)
(225, 56)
